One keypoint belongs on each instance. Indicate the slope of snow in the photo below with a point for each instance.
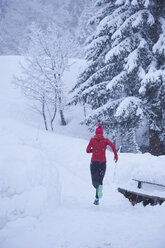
(45, 186)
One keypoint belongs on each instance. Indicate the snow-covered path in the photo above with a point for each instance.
(46, 193)
(115, 223)
(71, 220)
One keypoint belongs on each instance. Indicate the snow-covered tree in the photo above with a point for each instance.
(2, 9)
(152, 92)
(19, 15)
(47, 59)
(84, 28)
(120, 54)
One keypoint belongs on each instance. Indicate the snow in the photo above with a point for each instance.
(159, 47)
(109, 24)
(119, 2)
(134, 2)
(96, 45)
(120, 77)
(105, 24)
(146, 3)
(45, 186)
(122, 47)
(152, 77)
(128, 106)
(132, 60)
(140, 18)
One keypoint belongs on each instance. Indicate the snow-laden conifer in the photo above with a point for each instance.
(152, 92)
(119, 54)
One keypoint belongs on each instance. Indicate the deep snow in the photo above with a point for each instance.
(45, 186)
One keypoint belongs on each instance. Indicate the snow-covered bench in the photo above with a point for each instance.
(142, 195)
(141, 182)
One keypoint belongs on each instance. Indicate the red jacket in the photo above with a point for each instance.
(97, 146)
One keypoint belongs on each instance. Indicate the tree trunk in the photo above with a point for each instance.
(52, 119)
(63, 122)
(44, 116)
(155, 144)
(85, 115)
(45, 122)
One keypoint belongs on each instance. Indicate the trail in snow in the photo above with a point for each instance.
(115, 223)
(45, 186)
(71, 219)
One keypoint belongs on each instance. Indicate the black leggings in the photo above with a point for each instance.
(97, 173)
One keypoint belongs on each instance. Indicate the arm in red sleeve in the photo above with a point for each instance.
(89, 147)
(113, 149)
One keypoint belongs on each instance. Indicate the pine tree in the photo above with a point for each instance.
(120, 54)
(153, 94)
(84, 28)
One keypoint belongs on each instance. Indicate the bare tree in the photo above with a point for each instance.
(46, 61)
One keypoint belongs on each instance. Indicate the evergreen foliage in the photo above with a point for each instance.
(124, 81)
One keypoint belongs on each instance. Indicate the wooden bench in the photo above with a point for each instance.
(145, 197)
(140, 182)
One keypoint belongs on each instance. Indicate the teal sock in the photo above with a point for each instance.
(100, 193)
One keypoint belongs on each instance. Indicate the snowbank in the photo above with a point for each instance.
(141, 166)
(29, 183)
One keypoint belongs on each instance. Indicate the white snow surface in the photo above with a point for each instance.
(45, 186)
